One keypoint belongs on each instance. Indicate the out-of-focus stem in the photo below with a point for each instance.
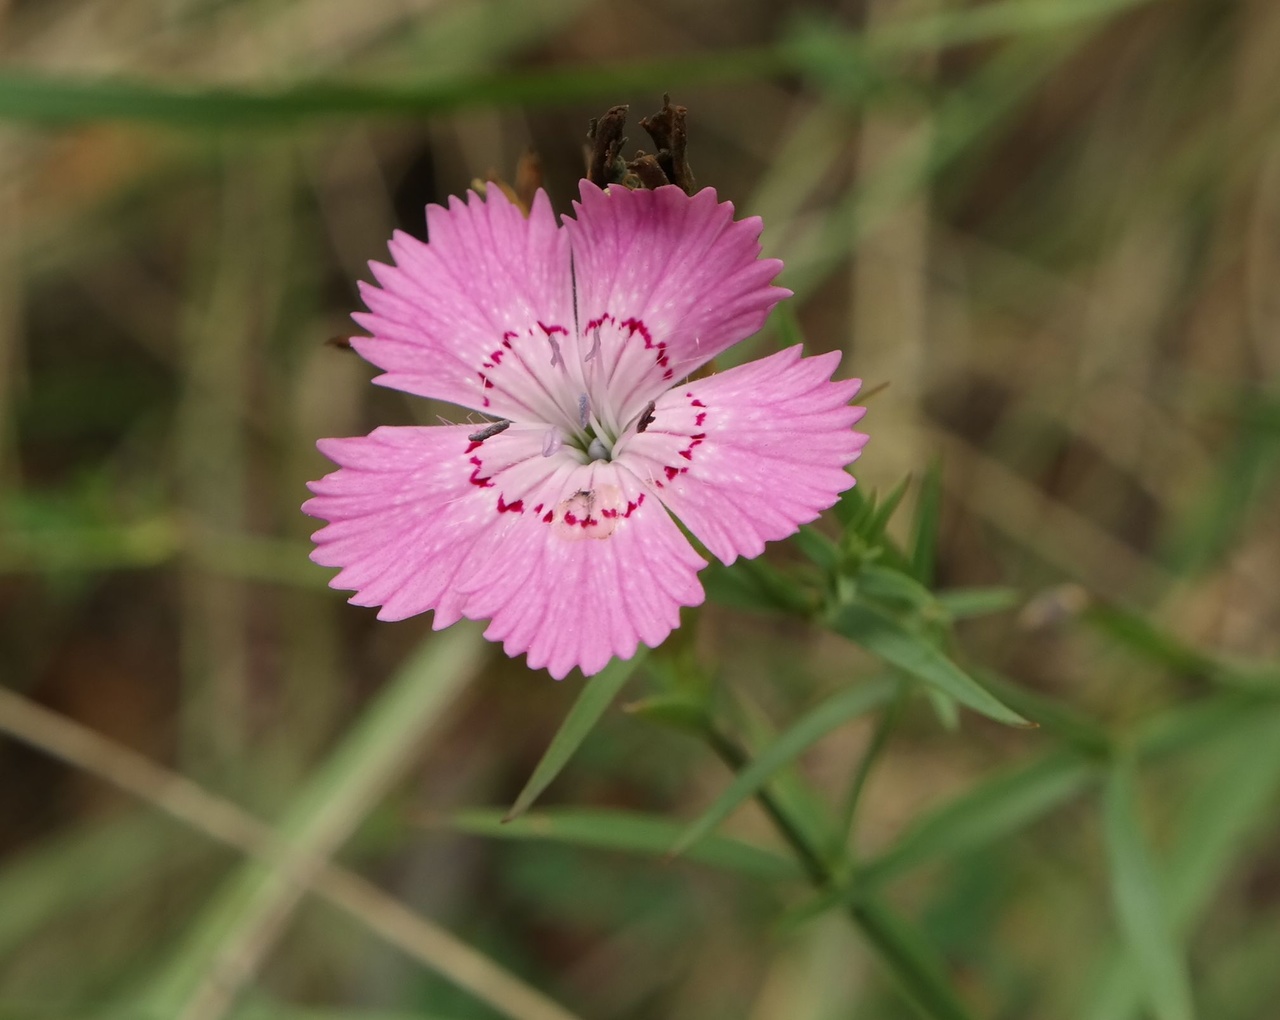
(917, 969)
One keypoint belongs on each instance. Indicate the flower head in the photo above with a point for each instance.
(555, 521)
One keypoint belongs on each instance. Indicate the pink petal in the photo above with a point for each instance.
(409, 505)
(574, 563)
(590, 570)
(665, 282)
(747, 456)
(470, 316)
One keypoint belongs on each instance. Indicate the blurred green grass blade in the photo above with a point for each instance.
(597, 694)
(965, 603)
(1245, 471)
(1002, 18)
(85, 868)
(289, 1011)
(924, 528)
(48, 99)
(790, 744)
(1142, 637)
(247, 911)
(914, 964)
(996, 808)
(1230, 799)
(1187, 726)
(1140, 910)
(1221, 809)
(882, 635)
(629, 832)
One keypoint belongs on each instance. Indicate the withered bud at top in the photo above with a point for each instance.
(667, 165)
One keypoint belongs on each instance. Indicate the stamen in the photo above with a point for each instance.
(489, 431)
(556, 357)
(646, 417)
(595, 344)
(584, 411)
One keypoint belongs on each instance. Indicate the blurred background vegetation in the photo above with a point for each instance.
(1052, 227)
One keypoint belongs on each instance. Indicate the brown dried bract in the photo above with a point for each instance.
(668, 165)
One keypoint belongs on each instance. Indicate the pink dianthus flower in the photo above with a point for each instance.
(555, 522)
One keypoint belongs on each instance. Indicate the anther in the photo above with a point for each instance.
(646, 417)
(556, 357)
(584, 411)
(489, 431)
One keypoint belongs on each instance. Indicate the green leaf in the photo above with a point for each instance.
(1145, 639)
(755, 585)
(597, 695)
(832, 713)
(817, 547)
(676, 711)
(994, 809)
(878, 520)
(964, 603)
(884, 636)
(1056, 717)
(1140, 909)
(1229, 799)
(626, 831)
(888, 585)
(924, 531)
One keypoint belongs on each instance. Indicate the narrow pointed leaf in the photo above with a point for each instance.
(832, 713)
(628, 832)
(924, 531)
(1140, 909)
(994, 809)
(882, 635)
(963, 603)
(597, 694)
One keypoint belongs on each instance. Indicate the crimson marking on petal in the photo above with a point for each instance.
(702, 416)
(552, 329)
(548, 517)
(671, 472)
(473, 445)
(510, 508)
(634, 326)
(482, 482)
(695, 403)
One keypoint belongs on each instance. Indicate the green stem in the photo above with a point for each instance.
(733, 755)
(912, 961)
